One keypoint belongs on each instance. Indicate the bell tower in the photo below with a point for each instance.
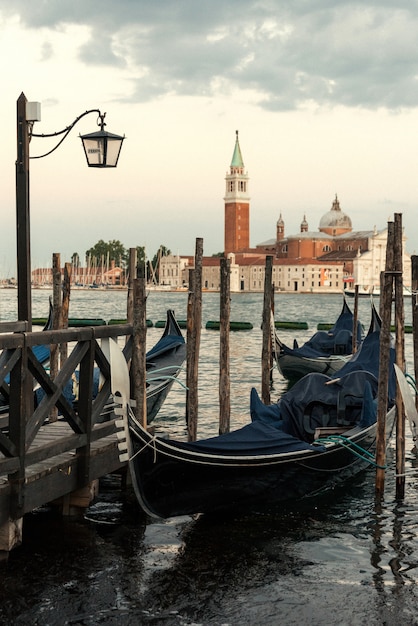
(237, 205)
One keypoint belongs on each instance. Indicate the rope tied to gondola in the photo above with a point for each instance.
(162, 377)
(352, 447)
(148, 444)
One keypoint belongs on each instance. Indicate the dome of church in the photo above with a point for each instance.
(335, 219)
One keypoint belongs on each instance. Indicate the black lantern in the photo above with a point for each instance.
(102, 148)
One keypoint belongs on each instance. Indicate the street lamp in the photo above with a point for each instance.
(101, 148)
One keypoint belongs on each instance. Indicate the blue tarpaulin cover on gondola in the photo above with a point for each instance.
(338, 340)
(165, 344)
(257, 438)
(348, 398)
(318, 401)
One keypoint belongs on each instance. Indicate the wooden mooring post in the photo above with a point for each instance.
(56, 320)
(65, 308)
(194, 326)
(131, 277)
(399, 355)
(355, 320)
(414, 300)
(139, 369)
(224, 353)
(267, 339)
(385, 314)
(391, 289)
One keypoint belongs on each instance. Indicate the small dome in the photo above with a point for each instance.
(280, 221)
(335, 218)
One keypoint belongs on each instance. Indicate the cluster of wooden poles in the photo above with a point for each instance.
(137, 307)
(392, 301)
(391, 291)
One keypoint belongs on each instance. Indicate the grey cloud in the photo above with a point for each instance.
(359, 54)
(47, 51)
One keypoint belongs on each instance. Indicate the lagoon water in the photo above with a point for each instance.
(341, 560)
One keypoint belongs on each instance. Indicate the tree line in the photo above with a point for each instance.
(105, 253)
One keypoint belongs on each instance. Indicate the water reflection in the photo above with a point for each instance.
(338, 555)
(340, 559)
(292, 562)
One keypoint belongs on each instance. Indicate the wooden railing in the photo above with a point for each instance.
(21, 372)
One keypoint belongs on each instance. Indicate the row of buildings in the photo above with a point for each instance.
(330, 259)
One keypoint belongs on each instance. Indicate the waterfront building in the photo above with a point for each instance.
(92, 275)
(173, 270)
(362, 253)
(328, 260)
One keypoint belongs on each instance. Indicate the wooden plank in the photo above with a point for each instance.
(47, 482)
(13, 327)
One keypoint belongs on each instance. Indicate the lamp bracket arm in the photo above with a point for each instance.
(66, 131)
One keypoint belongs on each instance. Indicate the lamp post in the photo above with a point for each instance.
(101, 148)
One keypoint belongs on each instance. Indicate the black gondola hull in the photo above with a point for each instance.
(172, 481)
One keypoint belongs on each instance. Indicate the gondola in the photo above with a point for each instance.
(325, 352)
(320, 433)
(163, 365)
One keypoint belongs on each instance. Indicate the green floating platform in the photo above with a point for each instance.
(324, 326)
(407, 329)
(161, 323)
(291, 325)
(215, 325)
(77, 322)
(39, 321)
(73, 322)
(114, 322)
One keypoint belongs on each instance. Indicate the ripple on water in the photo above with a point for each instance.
(342, 559)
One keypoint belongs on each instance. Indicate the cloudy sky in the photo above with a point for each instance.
(324, 95)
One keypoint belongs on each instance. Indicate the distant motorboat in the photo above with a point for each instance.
(365, 291)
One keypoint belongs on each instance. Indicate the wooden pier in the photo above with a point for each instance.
(44, 459)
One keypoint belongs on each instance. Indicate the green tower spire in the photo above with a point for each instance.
(237, 156)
